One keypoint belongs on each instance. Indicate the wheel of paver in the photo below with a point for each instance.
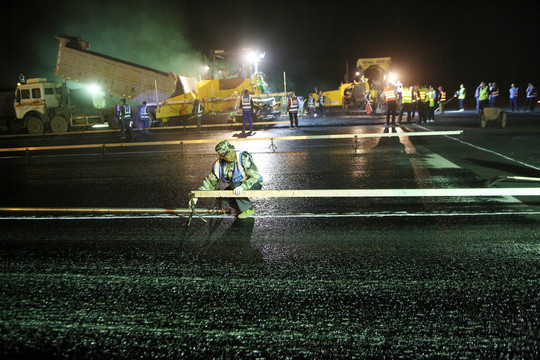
(59, 124)
(502, 119)
(34, 125)
(483, 121)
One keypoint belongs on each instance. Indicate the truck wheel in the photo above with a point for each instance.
(34, 125)
(59, 124)
(502, 119)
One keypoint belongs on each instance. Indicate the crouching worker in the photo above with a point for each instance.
(238, 170)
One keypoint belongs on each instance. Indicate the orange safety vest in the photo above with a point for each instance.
(389, 94)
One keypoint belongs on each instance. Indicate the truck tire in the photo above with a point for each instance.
(35, 125)
(59, 124)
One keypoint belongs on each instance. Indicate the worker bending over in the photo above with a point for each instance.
(238, 170)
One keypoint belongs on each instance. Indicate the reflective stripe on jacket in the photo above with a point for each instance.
(144, 115)
(127, 112)
(406, 96)
(293, 105)
(246, 102)
(389, 94)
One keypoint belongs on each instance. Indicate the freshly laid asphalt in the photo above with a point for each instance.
(303, 279)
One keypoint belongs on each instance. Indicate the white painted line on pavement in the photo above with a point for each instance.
(288, 216)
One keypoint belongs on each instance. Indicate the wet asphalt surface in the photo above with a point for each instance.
(450, 278)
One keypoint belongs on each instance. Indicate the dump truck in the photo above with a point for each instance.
(365, 89)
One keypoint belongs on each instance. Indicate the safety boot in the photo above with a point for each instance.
(247, 213)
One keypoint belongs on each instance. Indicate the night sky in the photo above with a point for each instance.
(437, 42)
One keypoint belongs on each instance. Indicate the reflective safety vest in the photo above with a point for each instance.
(293, 108)
(461, 95)
(311, 103)
(246, 102)
(406, 96)
(238, 175)
(423, 94)
(494, 93)
(477, 92)
(531, 92)
(443, 96)
(321, 99)
(144, 115)
(483, 93)
(513, 93)
(127, 112)
(432, 95)
(389, 94)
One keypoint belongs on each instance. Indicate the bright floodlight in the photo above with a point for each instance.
(94, 89)
(392, 77)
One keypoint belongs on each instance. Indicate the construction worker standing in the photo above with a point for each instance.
(293, 111)
(144, 117)
(460, 94)
(483, 96)
(477, 96)
(322, 109)
(442, 99)
(390, 97)
(531, 97)
(238, 170)
(246, 104)
(406, 103)
(311, 105)
(513, 98)
(493, 94)
(124, 119)
(421, 96)
(431, 99)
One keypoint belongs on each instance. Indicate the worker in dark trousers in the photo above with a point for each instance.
(513, 98)
(430, 101)
(124, 120)
(531, 97)
(321, 100)
(144, 117)
(246, 104)
(493, 95)
(390, 97)
(421, 95)
(483, 96)
(406, 102)
(293, 111)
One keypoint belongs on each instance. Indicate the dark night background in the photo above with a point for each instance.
(430, 42)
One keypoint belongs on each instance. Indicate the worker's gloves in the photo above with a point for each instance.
(238, 190)
(193, 202)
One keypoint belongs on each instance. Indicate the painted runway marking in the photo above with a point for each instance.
(487, 150)
(272, 216)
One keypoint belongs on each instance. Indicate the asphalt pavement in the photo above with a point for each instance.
(344, 278)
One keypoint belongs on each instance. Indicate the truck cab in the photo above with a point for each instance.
(40, 104)
(34, 102)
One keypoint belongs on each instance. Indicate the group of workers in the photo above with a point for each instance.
(413, 99)
(423, 100)
(487, 95)
(125, 120)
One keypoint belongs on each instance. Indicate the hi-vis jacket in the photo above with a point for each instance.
(246, 102)
(125, 112)
(293, 105)
(143, 113)
(242, 170)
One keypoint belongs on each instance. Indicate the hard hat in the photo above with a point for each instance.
(440, 87)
